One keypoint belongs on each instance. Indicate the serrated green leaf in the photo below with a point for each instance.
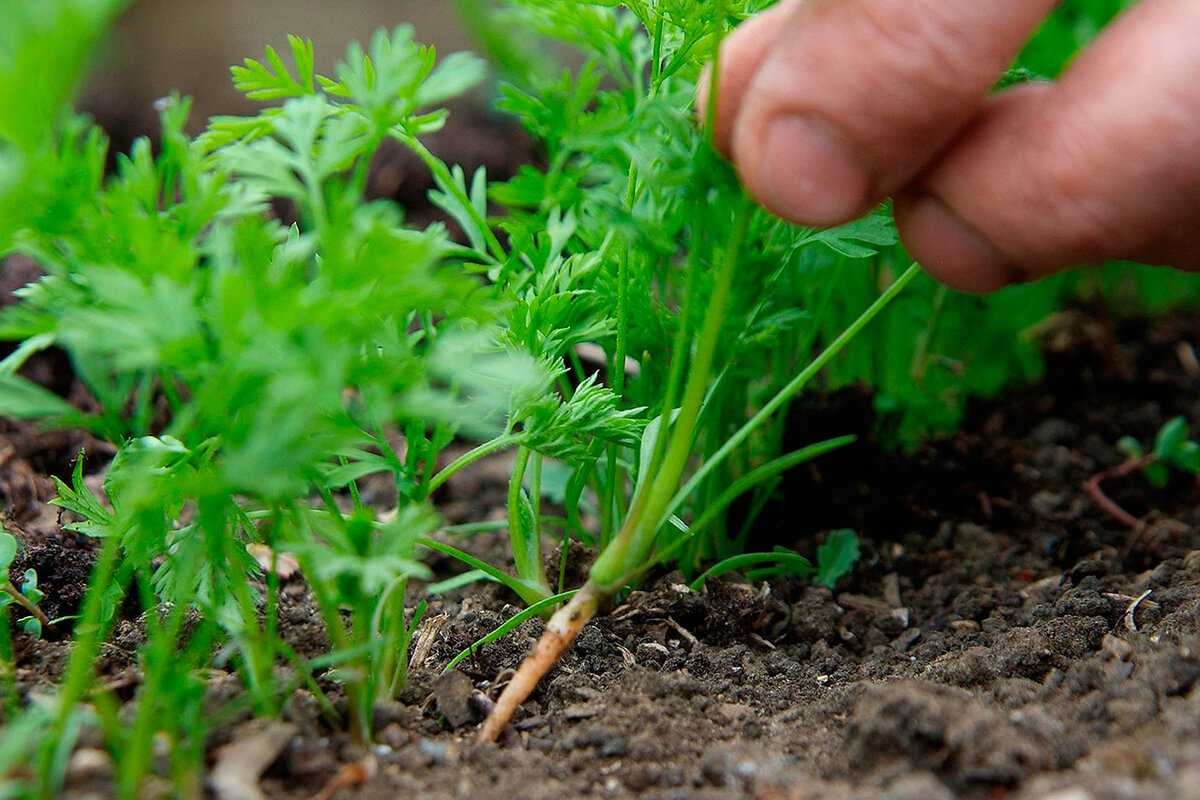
(273, 81)
(836, 557)
(454, 74)
(860, 238)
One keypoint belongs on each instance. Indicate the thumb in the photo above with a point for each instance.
(840, 103)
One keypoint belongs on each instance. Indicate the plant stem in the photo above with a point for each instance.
(1110, 506)
(609, 508)
(636, 537)
(626, 553)
(471, 456)
(794, 385)
(526, 542)
(107, 580)
(25, 603)
(446, 179)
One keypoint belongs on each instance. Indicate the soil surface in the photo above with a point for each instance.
(1001, 637)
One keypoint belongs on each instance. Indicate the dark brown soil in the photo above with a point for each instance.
(1002, 637)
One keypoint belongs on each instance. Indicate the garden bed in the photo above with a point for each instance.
(1001, 637)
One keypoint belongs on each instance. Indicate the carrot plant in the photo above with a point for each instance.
(252, 332)
(257, 337)
(707, 309)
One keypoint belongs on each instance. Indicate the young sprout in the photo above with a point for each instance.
(721, 234)
(27, 595)
(1173, 451)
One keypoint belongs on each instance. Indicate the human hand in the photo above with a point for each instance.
(828, 106)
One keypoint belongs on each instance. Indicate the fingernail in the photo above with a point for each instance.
(813, 176)
(952, 250)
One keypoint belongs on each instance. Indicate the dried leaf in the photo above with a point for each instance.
(241, 763)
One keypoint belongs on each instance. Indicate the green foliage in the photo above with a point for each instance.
(836, 557)
(244, 366)
(619, 241)
(25, 595)
(1173, 450)
(43, 45)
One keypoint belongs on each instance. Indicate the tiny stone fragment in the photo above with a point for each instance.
(452, 692)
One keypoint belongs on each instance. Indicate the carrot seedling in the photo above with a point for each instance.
(1173, 451)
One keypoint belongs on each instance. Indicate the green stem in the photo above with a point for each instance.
(25, 603)
(920, 359)
(526, 542)
(471, 456)
(633, 543)
(10, 697)
(693, 270)
(609, 508)
(89, 631)
(442, 173)
(793, 386)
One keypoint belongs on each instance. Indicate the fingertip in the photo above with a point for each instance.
(951, 250)
(803, 169)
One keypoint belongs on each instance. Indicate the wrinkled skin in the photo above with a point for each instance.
(828, 106)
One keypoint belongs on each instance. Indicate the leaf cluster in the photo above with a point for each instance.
(252, 332)
(1172, 450)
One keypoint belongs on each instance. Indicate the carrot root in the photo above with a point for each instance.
(561, 630)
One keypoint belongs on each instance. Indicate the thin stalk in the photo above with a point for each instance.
(135, 760)
(656, 57)
(528, 591)
(805, 346)
(679, 348)
(633, 542)
(631, 545)
(535, 500)
(89, 632)
(626, 555)
(920, 359)
(400, 675)
(9, 695)
(271, 623)
(329, 602)
(25, 603)
(609, 508)
(526, 544)
(430, 465)
(793, 386)
(693, 269)
(471, 456)
(442, 173)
